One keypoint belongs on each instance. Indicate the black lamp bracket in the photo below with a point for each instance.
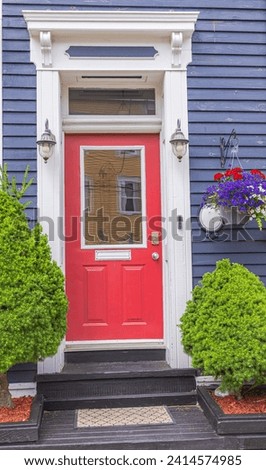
(225, 145)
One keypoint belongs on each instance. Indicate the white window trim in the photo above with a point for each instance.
(171, 33)
(143, 192)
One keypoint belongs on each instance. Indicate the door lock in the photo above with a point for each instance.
(155, 238)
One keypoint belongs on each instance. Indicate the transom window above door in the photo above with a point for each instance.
(91, 101)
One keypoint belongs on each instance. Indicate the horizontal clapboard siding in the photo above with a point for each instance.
(19, 102)
(226, 90)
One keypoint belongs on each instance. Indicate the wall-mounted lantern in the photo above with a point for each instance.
(179, 142)
(46, 143)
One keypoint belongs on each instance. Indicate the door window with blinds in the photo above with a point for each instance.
(113, 196)
(86, 101)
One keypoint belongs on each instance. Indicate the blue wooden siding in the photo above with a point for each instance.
(226, 90)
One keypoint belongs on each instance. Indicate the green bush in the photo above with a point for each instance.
(33, 303)
(224, 326)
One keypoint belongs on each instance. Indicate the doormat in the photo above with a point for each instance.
(102, 417)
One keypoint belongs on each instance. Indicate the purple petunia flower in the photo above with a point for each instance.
(241, 189)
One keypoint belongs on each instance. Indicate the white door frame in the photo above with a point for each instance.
(170, 33)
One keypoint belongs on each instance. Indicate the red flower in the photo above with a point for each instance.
(237, 176)
(258, 172)
(218, 176)
(229, 173)
(235, 172)
(237, 169)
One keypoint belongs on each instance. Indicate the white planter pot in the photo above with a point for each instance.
(232, 216)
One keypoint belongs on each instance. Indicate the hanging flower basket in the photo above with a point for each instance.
(240, 195)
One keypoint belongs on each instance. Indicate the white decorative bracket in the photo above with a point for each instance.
(46, 48)
(176, 45)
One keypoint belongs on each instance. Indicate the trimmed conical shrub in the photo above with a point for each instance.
(33, 303)
(224, 326)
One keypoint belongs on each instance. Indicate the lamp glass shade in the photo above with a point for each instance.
(46, 143)
(179, 148)
(178, 142)
(46, 150)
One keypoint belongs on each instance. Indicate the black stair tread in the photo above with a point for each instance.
(115, 355)
(91, 371)
(107, 367)
(128, 396)
(144, 399)
(110, 384)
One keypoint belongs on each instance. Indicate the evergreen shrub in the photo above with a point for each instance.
(33, 303)
(224, 326)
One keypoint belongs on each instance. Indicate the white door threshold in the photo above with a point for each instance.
(113, 345)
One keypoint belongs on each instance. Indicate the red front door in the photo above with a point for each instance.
(113, 237)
